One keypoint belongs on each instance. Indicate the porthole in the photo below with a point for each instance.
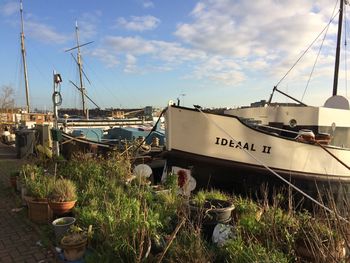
(292, 123)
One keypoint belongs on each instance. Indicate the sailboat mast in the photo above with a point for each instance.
(337, 54)
(24, 59)
(82, 90)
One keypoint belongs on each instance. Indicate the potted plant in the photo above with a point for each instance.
(74, 243)
(62, 225)
(37, 186)
(209, 208)
(62, 197)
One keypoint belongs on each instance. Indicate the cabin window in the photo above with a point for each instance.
(292, 123)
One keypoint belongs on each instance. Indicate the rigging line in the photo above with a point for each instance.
(154, 128)
(38, 54)
(305, 51)
(103, 84)
(331, 154)
(85, 94)
(17, 76)
(81, 69)
(318, 55)
(272, 171)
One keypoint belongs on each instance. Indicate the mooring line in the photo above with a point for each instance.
(272, 171)
(331, 154)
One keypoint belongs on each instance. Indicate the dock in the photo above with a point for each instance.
(20, 240)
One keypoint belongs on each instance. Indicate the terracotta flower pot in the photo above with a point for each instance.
(60, 208)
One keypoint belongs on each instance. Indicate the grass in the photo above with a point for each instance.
(132, 223)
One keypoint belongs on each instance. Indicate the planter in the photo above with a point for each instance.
(60, 208)
(62, 225)
(74, 246)
(39, 210)
(213, 211)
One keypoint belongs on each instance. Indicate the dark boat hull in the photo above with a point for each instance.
(257, 181)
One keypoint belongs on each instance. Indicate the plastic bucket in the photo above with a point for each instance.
(61, 226)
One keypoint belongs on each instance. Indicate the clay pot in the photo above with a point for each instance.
(60, 208)
(73, 251)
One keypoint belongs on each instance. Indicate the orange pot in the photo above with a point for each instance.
(60, 208)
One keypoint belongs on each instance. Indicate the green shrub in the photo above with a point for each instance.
(238, 251)
(200, 197)
(38, 184)
(63, 190)
(189, 247)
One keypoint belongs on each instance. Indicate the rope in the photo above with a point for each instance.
(272, 171)
(59, 96)
(318, 55)
(285, 75)
(331, 154)
(56, 96)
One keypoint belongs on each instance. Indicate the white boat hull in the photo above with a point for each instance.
(195, 138)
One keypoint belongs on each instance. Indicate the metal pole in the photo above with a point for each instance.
(337, 54)
(24, 60)
(82, 90)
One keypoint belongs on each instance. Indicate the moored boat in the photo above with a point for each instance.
(298, 146)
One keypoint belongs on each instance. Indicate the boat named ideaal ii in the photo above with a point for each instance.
(224, 151)
(270, 144)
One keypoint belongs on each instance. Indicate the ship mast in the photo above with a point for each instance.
(24, 60)
(337, 54)
(82, 90)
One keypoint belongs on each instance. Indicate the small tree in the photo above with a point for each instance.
(6, 97)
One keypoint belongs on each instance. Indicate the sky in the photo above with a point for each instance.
(213, 53)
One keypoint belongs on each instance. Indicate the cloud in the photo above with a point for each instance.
(220, 69)
(159, 50)
(105, 56)
(166, 56)
(241, 29)
(230, 42)
(168, 53)
(139, 23)
(9, 8)
(45, 33)
(268, 36)
(147, 4)
(87, 23)
(130, 64)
